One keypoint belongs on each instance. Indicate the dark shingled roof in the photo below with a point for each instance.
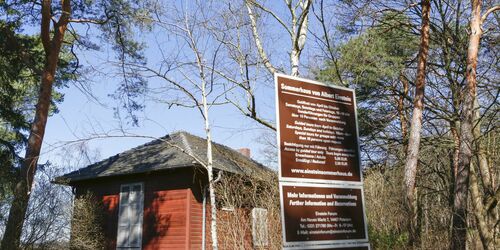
(168, 152)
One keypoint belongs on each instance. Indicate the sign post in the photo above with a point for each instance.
(320, 177)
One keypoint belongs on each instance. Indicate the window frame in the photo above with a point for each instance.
(140, 214)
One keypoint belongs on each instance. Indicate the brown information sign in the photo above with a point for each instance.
(317, 130)
(321, 192)
(322, 213)
(355, 246)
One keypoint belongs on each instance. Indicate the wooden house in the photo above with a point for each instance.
(154, 195)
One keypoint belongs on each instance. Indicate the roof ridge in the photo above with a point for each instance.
(143, 158)
(185, 142)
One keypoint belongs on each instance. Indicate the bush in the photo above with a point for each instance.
(86, 229)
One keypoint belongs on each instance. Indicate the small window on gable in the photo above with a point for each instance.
(129, 235)
(259, 227)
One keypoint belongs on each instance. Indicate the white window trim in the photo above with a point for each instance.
(141, 215)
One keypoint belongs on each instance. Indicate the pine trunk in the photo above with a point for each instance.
(416, 124)
(459, 219)
(52, 48)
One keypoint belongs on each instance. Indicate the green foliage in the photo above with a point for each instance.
(114, 21)
(372, 63)
(375, 57)
(21, 61)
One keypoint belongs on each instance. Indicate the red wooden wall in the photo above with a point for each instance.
(172, 207)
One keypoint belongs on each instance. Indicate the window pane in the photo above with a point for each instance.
(122, 236)
(125, 189)
(135, 236)
(124, 197)
(259, 227)
(133, 197)
(123, 217)
(135, 213)
(135, 194)
(130, 217)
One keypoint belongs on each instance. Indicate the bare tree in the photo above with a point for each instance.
(297, 30)
(190, 76)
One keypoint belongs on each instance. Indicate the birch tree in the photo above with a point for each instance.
(296, 29)
(189, 76)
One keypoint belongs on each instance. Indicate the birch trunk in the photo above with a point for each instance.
(209, 165)
(416, 123)
(299, 35)
(211, 189)
(257, 40)
(297, 32)
(52, 48)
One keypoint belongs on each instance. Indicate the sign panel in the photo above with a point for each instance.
(356, 246)
(322, 213)
(317, 131)
(320, 177)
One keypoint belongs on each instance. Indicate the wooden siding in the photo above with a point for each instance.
(165, 219)
(172, 210)
(196, 220)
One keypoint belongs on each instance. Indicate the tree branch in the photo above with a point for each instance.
(258, 43)
(488, 12)
(45, 26)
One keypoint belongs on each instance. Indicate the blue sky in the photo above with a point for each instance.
(81, 117)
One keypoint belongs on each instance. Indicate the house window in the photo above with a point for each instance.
(129, 234)
(259, 227)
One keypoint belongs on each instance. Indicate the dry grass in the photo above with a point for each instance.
(387, 215)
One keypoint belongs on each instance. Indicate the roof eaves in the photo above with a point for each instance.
(69, 181)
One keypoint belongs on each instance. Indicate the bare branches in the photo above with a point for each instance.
(87, 20)
(270, 12)
(257, 40)
(329, 48)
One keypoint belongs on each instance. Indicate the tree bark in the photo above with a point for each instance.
(52, 48)
(486, 216)
(299, 30)
(459, 223)
(416, 123)
(401, 111)
(211, 188)
(485, 230)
